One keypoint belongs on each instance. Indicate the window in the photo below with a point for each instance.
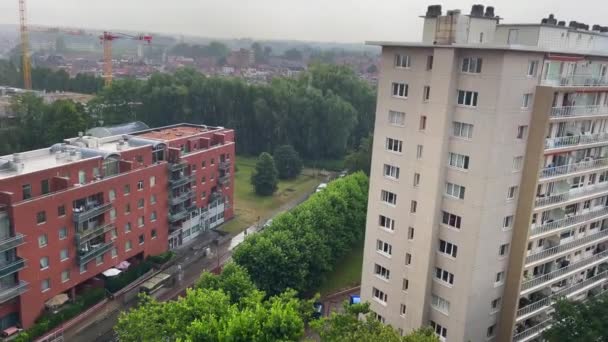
(140, 203)
(448, 248)
(408, 259)
(140, 185)
(140, 221)
(82, 177)
(400, 90)
(61, 210)
(45, 285)
(127, 208)
(402, 61)
(467, 98)
(526, 101)
(127, 227)
(382, 272)
(503, 249)
(96, 173)
(153, 216)
(63, 233)
(518, 163)
(440, 304)
(203, 194)
(113, 252)
(451, 219)
(204, 164)
(84, 268)
(388, 197)
(429, 62)
(396, 118)
(491, 331)
(44, 185)
(152, 181)
(444, 276)
(454, 190)
(413, 207)
(394, 145)
(462, 130)
(43, 240)
(522, 132)
(405, 285)
(402, 310)
(126, 189)
(426, 93)
(379, 295)
(416, 179)
(113, 234)
(441, 331)
(495, 304)
(384, 247)
(459, 161)
(128, 245)
(64, 254)
(112, 195)
(507, 222)
(391, 171)
(500, 276)
(203, 180)
(422, 125)
(41, 217)
(419, 152)
(212, 161)
(152, 199)
(26, 189)
(410, 233)
(65, 275)
(99, 260)
(532, 68)
(153, 234)
(471, 65)
(44, 263)
(512, 192)
(141, 239)
(386, 223)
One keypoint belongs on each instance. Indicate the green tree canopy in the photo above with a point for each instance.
(361, 159)
(579, 322)
(264, 177)
(288, 162)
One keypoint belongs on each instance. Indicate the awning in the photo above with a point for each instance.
(123, 265)
(112, 272)
(56, 301)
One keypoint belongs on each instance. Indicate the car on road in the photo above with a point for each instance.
(321, 187)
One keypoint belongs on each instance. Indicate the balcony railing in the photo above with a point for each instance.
(571, 168)
(11, 292)
(565, 292)
(225, 179)
(85, 257)
(574, 111)
(569, 221)
(181, 197)
(11, 242)
(12, 267)
(181, 214)
(572, 194)
(533, 331)
(181, 181)
(562, 271)
(91, 233)
(577, 81)
(575, 140)
(177, 166)
(225, 165)
(90, 212)
(566, 246)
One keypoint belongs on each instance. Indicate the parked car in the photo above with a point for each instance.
(317, 310)
(321, 187)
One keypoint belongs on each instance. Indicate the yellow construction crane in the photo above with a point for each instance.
(26, 66)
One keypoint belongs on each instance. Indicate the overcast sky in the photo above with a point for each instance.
(314, 20)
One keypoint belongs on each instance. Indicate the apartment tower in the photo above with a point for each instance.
(489, 182)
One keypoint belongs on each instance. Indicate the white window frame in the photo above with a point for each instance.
(518, 163)
(467, 98)
(386, 223)
(448, 249)
(532, 70)
(419, 151)
(382, 272)
(384, 248)
(527, 100)
(379, 296)
(426, 93)
(396, 118)
(471, 65)
(393, 145)
(453, 220)
(399, 90)
(522, 132)
(503, 250)
(512, 192)
(391, 171)
(440, 304)
(444, 274)
(507, 222)
(416, 180)
(462, 130)
(402, 61)
(388, 197)
(454, 190)
(458, 161)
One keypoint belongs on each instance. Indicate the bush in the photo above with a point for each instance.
(161, 258)
(288, 162)
(326, 164)
(117, 283)
(264, 177)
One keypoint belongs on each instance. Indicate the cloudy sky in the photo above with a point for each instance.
(315, 20)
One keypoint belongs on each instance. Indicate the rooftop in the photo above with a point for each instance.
(175, 132)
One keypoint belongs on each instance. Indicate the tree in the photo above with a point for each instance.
(579, 321)
(234, 281)
(293, 54)
(361, 159)
(288, 162)
(348, 327)
(264, 177)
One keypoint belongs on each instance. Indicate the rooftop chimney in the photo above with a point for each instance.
(433, 11)
(561, 23)
(490, 12)
(477, 10)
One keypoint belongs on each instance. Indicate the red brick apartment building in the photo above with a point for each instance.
(78, 208)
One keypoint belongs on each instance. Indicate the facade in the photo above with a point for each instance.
(488, 197)
(78, 208)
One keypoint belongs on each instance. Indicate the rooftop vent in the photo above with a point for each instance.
(489, 12)
(561, 23)
(433, 11)
(573, 24)
(477, 10)
(453, 12)
(596, 28)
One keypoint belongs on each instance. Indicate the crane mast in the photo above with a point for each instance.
(26, 67)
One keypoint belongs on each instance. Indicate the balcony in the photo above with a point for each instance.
(90, 212)
(181, 214)
(11, 242)
(183, 180)
(575, 141)
(175, 200)
(84, 257)
(224, 165)
(532, 332)
(177, 166)
(578, 111)
(567, 292)
(91, 233)
(562, 170)
(564, 271)
(224, 180)
(568, 221)
(577, 81)
(566, 247)
(11, 267)
(11, 292)
(572, 194)
(214, 196)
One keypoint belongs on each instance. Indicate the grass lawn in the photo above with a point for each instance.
(249, 206)
(346, 274)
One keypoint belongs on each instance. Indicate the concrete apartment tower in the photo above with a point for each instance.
(489, 181)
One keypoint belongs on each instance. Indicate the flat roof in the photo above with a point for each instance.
(174, 132)
(517, 48)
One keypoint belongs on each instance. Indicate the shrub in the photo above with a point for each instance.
(117, 283)
(161, 258)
